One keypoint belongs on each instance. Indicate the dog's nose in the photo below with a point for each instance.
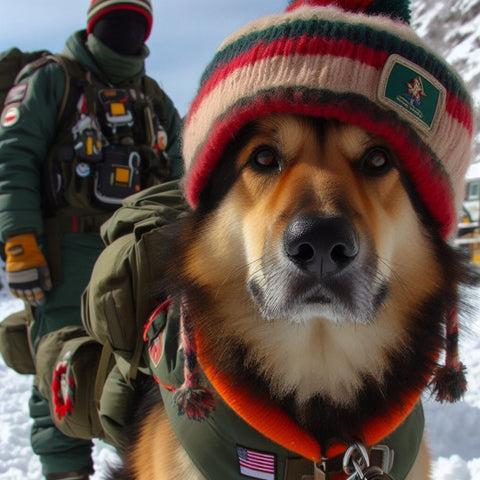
(321, 246)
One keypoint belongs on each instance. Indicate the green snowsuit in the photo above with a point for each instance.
(24, 148)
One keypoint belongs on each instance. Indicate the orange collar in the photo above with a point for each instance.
(273, 422)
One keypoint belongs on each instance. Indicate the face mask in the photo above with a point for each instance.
(122, 30)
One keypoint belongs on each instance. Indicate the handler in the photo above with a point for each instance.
(119, 133)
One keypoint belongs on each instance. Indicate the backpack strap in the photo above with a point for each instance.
(74, 80)
(104, 366)
(157, 95)
(72, 70)
(148, 263)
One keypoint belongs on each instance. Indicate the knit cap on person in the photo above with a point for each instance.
(98, 8)
(354, 61)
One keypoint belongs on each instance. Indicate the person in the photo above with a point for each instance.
(118, 134)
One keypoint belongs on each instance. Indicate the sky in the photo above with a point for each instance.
(185, 34)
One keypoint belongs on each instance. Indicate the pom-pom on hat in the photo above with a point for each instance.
(358, 62)
(98, 8)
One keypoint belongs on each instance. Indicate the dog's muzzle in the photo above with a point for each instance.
(321, 269)
(321, 246)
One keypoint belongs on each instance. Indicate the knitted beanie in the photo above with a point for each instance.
(98, 8)
(356, 61)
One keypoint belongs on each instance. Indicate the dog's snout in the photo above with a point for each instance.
(321, 246)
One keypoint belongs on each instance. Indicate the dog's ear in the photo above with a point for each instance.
(226, 172)
(219, 183)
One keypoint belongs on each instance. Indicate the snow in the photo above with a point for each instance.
(453, 431)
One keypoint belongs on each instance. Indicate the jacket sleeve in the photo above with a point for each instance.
(173, 128)
(24, 145)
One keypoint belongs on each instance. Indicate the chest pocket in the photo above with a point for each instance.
(117, 176)
(112, 152)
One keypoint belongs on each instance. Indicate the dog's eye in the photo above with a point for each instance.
(376, 161)
(264, 159)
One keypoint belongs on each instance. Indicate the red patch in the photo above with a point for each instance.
(155, 349)
(10, 116)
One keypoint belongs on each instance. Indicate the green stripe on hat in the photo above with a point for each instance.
(358, 34)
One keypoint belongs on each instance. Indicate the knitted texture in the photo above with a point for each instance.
(355, 61)
(450, 383)
(193, 398)
(98, 8)
(397, 9)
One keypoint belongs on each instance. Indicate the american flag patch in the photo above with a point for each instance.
(255, 464)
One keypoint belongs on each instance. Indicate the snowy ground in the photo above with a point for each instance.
(453, 430)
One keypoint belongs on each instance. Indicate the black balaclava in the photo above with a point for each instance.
(122, 30)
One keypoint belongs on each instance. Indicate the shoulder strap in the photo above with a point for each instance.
(71, 70)
(153, 90)
(74, 78)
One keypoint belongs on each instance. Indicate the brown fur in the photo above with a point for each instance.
(345, 344)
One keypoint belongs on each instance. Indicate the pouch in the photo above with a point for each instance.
(67, 366)
(14, 342)
(117, 176)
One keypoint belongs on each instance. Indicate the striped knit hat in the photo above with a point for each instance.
(98, 8)
(359, 62)
(356, 61)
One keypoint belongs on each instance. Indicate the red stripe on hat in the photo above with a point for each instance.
(460, 111)
(123, 6)
(284, 47)
(350, 5)
(431, 184)
(307, 45)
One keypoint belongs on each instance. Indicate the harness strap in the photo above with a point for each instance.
(66, 94)
(104, 367)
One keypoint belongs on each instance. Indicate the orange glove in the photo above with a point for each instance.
(27, 271)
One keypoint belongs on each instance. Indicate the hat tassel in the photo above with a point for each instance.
(192, 398)
(449, 382)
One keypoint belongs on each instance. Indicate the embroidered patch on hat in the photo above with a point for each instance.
(10, 116)
(255, 464)
(412, 92)
(16, 94)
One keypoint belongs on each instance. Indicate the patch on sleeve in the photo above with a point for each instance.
(10, 116)
(255, 464)
(16, 94)
(412, 92)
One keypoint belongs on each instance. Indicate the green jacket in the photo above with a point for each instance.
(218, 444)
(24, 146)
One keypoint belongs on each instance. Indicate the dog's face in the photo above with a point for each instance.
(312, 269)
(319, 223)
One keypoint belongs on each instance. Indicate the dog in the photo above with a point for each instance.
(314, 278)
(306, 296)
